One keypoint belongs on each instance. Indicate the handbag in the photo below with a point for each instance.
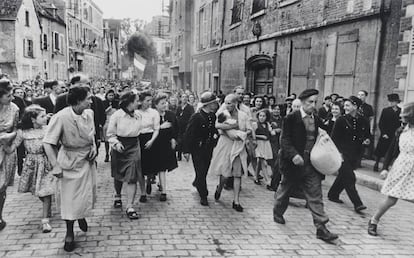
(325, 156)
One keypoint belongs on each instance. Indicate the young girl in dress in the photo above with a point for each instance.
(264, 149)
(36, 177)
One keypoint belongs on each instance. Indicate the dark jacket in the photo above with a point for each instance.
(20, 104)
(46, 103)
(293, 141)
(200, 133)
(388, 124)
(183, 116)
(348, 135)
(393, 150)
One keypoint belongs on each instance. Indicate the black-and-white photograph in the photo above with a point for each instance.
(206, 128)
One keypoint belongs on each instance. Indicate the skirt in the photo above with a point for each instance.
(8, 166)
(264, 150)
(167, 160)
(149, 157)
(126, 166)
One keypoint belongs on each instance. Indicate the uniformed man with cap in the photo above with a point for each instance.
(350, 133)
(300, 130)
(200, 139)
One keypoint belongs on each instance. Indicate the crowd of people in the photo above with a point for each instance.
(50, 134)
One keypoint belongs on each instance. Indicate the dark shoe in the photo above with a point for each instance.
(337, 200)
(143, 198)
(149, 188)
(249, 174)
(324, 234)
(69, 245)
(132, 214)
(257, 182)
(228, 187)
(159, 187)
(372, 229)
(237, 207)
(217, 194)
(117, 204)
(376, 168)
(83, 225)
(2, 225)
(279, 219)
(106, 158)
(260, 177)
(360, 208)
(163, 197)
(204, 201)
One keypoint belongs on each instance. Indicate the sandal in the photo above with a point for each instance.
(46, 228)
(163, 197)
(132, 214)
(118, 204)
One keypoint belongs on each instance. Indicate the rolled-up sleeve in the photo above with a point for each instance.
(111, 132)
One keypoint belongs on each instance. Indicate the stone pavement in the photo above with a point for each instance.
(181, 227)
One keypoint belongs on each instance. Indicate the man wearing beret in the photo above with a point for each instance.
(350, 134)
(200, 139)
(299, 134)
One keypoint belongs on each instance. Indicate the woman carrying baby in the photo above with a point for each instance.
(230, 156)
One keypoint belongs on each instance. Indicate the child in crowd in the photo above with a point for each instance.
(264, 149)
(36, 177)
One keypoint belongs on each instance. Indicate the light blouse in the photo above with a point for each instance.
(150, 120)
(122, 124)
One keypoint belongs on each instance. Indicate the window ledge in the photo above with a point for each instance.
(257, 14)
(235, 25)
(287, 2)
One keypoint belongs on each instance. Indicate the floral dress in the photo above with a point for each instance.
(36, 177)
(400, 180)
(9, 117)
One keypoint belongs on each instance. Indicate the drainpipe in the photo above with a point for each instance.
(221, 42)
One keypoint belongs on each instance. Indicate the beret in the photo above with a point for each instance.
(307, 93)
(207, 98)
(354, 100)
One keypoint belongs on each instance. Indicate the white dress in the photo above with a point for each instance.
(400, 180)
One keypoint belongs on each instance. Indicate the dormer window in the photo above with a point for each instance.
(27, 18)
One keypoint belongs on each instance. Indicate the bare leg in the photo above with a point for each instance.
(163, 181)
(264, 169)
(236, 189)
(2, 201)
(383, 208)
(141, 181)
(47, 203)
(222, 182)
(131, 192)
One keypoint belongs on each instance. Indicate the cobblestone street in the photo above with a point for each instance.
(181, 227)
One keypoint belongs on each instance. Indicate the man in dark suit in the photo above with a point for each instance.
(184, 112)
(200, 139)
(300, 130)
(48, 102)
(388, 124)
(97, 104)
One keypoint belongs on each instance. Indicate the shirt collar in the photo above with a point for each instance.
(303, 113)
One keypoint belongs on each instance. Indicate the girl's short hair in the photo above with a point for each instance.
(5, 87)
(408, 112)
(158, 98)
(30, 112)
(266, 112)
(126, 99)
(144, 94)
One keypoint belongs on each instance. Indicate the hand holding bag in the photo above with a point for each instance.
(324, 156)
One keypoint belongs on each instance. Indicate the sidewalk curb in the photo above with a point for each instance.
(369, 181)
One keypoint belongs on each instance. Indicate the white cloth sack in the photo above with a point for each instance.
(324, 156)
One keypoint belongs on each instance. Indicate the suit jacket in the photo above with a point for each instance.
(183, 116)
(199, 135)
(293, 141)
(389, 121)
(46, 103)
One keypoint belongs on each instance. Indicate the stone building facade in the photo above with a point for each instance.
(181, 23)
(280, 47)
(85, 38)
(53, 38)
(405, 66)
(20, 53)
(112, 48)
(207, 38)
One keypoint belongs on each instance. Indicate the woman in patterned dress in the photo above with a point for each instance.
(74, 129)
(399, 182)
(9, 116)
(36, 177)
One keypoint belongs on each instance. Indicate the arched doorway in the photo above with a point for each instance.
(259, 69)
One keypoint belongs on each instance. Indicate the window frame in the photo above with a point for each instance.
(27, 18)
(236, 24)
(258, 13)
(283, 3)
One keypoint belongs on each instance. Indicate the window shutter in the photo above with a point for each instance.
(24, 48)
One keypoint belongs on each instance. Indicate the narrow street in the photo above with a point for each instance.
(181, 227)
